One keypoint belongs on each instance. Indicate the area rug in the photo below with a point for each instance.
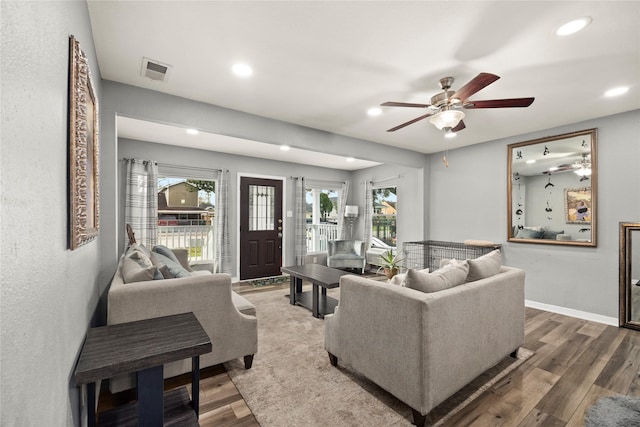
(614, 411)
(292, 382)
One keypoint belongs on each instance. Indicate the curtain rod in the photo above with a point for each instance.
(317, 181)
(400, 176)
(167, 165)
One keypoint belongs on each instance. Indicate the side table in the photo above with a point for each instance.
(144, 347)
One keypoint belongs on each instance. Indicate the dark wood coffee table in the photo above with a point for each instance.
(321, 277)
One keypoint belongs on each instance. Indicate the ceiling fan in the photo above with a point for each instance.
(445, 108)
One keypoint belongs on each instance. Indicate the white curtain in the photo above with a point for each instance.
(301, 221)
(342, 204)
(223, 246)
(141, 205)
(368, 213)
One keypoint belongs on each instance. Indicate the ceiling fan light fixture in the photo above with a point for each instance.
(446, 119)
(448, 133)
(583, 171)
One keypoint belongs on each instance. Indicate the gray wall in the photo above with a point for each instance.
(469, 201)
(140, 103)
(410, 184)
(237, 166)
(49, 293)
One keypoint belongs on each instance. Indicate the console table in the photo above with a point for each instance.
(144, 347)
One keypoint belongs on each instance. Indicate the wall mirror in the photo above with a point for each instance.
(630, 275)
(552, 190)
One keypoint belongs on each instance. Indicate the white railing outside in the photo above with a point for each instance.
(199, 240)
(319, 234)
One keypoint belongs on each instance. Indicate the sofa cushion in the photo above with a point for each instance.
(551, 234)
(137, 267)
(163, 250)
(453, 274)
(527, 233)
(175, 269)
(399, 278)
(485, 266)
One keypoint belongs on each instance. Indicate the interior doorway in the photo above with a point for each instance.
(261, 227)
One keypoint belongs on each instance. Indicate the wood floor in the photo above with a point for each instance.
(575, 363)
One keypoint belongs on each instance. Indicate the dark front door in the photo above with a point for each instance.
(260, 227)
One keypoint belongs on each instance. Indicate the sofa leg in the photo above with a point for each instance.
(333, 359)
(248, 361)
(418, 418)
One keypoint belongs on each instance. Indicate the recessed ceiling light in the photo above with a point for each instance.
(531, 161)
(616, 91)
(375, 111)
(285, 148)
(242, 70)
(573, 26)
(192, 131)
(350, 159)
(553, 169)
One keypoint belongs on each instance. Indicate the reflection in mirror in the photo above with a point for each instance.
(552, 190)
(630, 274)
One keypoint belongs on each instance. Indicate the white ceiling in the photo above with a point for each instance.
(323, 64)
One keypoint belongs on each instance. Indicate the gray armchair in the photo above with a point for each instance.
(346, 254)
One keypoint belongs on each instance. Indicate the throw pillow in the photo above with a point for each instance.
(399, 278)
(137, 267)
(447, 277)
(163, 250)
(175, 269)
(526, 233)
(484, 266)
(551, 234)
(163, 270)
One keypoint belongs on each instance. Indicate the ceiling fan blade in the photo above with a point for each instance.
(459, 127)
(479, 82)
(410, 122)
(404, 104)
(500, 103)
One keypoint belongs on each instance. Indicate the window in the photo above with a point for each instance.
(383, 221)
(186, 212)
(322, 217)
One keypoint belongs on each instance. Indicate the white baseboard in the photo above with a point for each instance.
(613, 321)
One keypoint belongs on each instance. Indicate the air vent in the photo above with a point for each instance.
(155, 70)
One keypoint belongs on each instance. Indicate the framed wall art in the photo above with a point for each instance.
(577, 202)
(84, 155)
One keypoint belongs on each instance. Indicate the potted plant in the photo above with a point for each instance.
(390, 263)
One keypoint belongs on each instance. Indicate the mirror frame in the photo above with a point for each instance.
(625, 275)
(594, 188)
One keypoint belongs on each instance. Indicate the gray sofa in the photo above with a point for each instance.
(228, 318)
(423, 347)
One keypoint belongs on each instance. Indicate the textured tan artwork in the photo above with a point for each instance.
(84, 210)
